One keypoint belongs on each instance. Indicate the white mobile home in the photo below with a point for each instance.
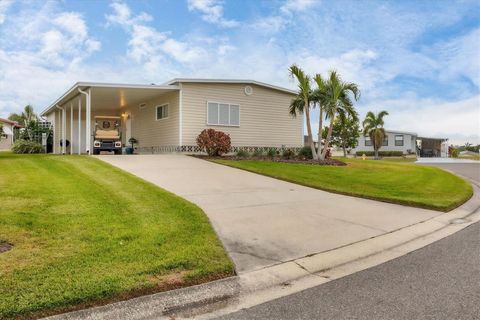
(169, 117)
(407, 143)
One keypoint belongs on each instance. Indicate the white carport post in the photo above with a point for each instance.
(88, 119)
(63, 127)
(80, 124)
(71, 127)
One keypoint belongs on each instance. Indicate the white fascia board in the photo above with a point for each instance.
(78, 85)
(258, 83)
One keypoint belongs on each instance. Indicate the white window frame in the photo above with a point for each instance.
(161, 106)
(401, 140)
(229, 111)
(367, 139)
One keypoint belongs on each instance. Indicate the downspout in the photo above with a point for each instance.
(180, 126)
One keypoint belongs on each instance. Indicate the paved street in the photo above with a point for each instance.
(440, 281)
(469, 170)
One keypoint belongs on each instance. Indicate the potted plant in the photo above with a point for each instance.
(132, 141)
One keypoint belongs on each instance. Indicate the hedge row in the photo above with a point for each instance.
(380, 153)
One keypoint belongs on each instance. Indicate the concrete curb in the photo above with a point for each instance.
(402, 241)
(160, 304)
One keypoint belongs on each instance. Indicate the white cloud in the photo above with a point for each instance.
(40, 50)
(460, 57)
(212, 12)
(297, 5)
(150, 46)
(4, 6)
(457, 120)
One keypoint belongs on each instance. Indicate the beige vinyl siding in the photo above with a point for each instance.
(6, 140)
(156, 133)
(264, 117)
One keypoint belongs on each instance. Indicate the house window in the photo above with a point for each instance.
(162, 111)
(368, 142)
(223, 114)
(385, 141)
(399, 140)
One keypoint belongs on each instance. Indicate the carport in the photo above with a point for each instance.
(72, 114)
(428, 147)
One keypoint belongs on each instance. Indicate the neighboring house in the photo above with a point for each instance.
(169, 117)
(407, 143)
(7, 138)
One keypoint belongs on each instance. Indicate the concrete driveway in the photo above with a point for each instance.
(264, 221)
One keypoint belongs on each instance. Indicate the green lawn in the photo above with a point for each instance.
(389, 181)
(86, 233)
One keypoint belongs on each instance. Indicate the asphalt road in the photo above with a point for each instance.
(440, 281)
(469, 170)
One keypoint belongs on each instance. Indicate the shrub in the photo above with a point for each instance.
(381, 153)
(27, 146)
(288, 154)
(215, 143)
(455, 153)
(258, 153)
(271, 153)
(305, 153)
(242, 153)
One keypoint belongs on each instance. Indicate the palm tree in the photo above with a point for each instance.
(373, 127)
(319, 97)
(25, 117)
(337, 101)
(301, 103)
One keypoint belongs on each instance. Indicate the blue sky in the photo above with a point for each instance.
(420, 60)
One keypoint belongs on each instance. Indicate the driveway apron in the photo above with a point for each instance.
(264, 221)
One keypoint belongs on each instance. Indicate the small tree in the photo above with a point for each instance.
(215, 143)
(345, 132)
(1, 130)
(373, 127)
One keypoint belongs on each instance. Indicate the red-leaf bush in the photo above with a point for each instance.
(215, 143)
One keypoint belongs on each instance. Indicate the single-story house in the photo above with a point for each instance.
(169, 117)
(407, 143)
(8, 135)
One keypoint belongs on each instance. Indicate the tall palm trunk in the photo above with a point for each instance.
(376, 154)
(320, 127)
(327, 140)
(309, 131)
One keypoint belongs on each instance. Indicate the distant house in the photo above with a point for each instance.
(169, 117)
(407, 143)
(7, 138)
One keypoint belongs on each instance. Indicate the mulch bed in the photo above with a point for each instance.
(327, 162)
(4, 247)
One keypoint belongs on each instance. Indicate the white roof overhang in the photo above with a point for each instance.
(111, 96)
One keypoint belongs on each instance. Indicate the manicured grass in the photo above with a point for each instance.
(85, 233)
(401, 183)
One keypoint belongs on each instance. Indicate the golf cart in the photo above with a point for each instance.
(107, 135)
